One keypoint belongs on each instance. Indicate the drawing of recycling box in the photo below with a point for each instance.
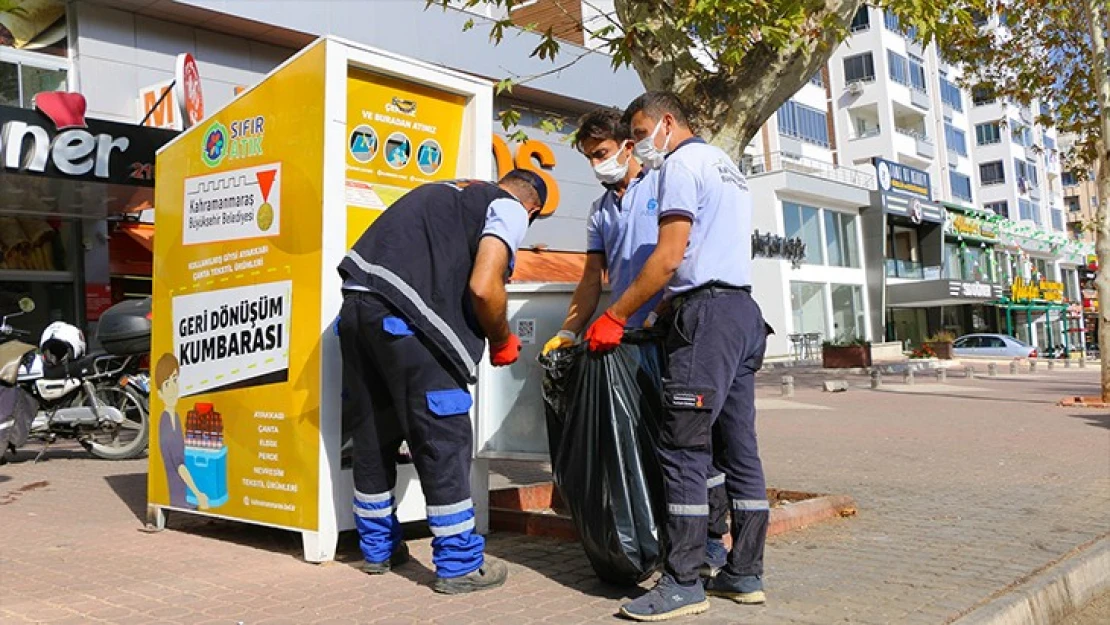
(206, 454)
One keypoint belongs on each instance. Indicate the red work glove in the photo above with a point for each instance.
(506, 353)
(606, 333)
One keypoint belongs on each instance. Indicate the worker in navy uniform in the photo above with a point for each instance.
(424, 290)
(715, 344)
(621, 232)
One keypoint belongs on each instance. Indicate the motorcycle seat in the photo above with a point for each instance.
(80, 368)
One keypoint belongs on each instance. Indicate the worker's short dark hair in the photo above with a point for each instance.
(602, 124)
(527, 184)
(655, 104)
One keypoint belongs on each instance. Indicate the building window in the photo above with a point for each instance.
(803, 222)
(862, 19)
(807, 305)
(1072, 202)
(1049, 143)
(1057, 219)
(988, 133)
(917, 74)
(950, 95)
(860, 67)
(840, 239)
(891, 21)
(1068, 179)
(1022, 134)
(961, 185)
(992, 173)
(956, 139)
(804, 122)
(899, 70)
(1071, 284)
(1026, 211)
(998, 208)
(1026, 173)
(21, 81)
(848, 312)
(817, 79)
(982, 95)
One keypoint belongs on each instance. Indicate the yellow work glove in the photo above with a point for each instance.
(565, 338)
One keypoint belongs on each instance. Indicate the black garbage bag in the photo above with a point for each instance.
(603, 414)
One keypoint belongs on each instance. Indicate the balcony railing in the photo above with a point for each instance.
(779, 161)
(870, 132)
(908, 269)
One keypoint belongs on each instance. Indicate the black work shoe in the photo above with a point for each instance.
(740, 588)
(399, 557)
(716, 557)
(491, 574)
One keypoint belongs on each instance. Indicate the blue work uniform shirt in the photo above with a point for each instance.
(626, 230)
(701, 181)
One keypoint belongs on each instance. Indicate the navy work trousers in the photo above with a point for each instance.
(396, 389)
(715, 345)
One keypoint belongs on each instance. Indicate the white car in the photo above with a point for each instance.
(992, 346)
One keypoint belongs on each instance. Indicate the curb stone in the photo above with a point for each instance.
(1053, 593)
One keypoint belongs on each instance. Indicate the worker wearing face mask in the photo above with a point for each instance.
(621, 233)
(715, 344)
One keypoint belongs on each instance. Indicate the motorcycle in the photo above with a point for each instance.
(101, 400)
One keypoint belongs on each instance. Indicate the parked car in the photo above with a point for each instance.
(992, 346)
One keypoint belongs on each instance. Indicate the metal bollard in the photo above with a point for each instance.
(969, 372)
(1083, 362)
(876, 378)
(787, 386)
(907, 377)
(1013, 367)
(942, 375)
(1032, 366)
(992, 369)
(1051, 365)
(1067, 363)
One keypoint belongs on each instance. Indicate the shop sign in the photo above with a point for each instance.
(971, 226)
(1092, 262)
(187, 90)
(895, 177)
(58, 141)
(971, 289)
(774, 246)
(1044, 290)
(158, 106)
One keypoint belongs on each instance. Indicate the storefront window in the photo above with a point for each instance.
(1071, 285)
(54, 301)
(840, 237)
(848, 313)
(20, 81)
(40, 245)
(9, 84)
(802, 222)
(977, 264)
(953, 262)
(807, 303)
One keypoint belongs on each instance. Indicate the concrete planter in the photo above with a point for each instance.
(845, 356)
(943, 349)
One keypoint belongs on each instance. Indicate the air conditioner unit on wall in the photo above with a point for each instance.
(855, 88)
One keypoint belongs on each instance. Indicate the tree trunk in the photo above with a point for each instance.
(1100, 72)
(728, 109)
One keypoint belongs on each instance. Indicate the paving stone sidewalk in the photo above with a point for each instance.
(964, 489)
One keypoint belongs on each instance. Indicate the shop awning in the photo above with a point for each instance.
(143, 234)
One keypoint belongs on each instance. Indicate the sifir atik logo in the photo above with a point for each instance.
(72, 151)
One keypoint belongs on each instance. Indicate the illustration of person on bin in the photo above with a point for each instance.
(715, 344)
(423, 292)
(621, 233)
(171, 435)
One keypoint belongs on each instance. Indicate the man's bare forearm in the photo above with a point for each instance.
(490, 307)
(583, 304)
(656, 274)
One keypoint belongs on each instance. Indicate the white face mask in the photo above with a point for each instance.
(611, 170)
(651, 156)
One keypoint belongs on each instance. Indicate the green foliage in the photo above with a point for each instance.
(943, 336)
(846, 341)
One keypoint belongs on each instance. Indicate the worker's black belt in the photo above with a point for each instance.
(709, 289)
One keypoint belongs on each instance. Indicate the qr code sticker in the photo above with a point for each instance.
(526, 330)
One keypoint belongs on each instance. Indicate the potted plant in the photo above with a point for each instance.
(941, 344)
(923, 352)
(846, 353)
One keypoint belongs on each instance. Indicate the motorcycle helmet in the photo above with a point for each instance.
(61, 343)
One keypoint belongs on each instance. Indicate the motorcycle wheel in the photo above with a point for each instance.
(129, 439)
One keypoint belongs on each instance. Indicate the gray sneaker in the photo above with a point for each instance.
(666, 601)
(491, 574)
(399, 557)
(746, 589)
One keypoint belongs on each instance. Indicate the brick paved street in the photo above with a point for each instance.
(963, 490)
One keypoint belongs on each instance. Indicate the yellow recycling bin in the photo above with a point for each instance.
(255, 208)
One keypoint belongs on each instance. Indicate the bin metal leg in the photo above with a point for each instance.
(479, 494)
(155, 518)
(320, 546)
